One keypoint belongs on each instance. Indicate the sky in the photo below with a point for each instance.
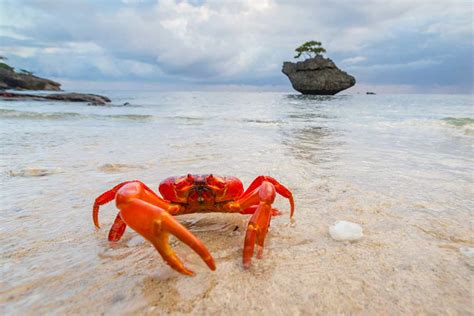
(392, 46)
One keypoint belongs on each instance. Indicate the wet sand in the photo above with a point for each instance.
(415, 209)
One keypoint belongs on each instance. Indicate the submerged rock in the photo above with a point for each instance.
(10, 79)
(317, 75)
(344, 230)
(93, 99)
(34, 172)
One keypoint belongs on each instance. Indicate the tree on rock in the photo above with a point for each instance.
(311, 49)
(3, 65)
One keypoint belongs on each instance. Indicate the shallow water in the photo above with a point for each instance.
(401, 166)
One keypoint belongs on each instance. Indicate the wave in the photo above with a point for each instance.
(133, 117)
(14, 114)
(466, 124)
(257, 121)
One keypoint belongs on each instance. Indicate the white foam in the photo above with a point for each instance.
(344, 230)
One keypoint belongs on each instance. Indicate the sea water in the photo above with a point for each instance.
(401, 166)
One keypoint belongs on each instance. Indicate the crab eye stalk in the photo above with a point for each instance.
(181, 184)
(215, 181)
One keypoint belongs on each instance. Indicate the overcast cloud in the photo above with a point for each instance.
(398, 46)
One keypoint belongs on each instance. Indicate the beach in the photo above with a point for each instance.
(401, 166)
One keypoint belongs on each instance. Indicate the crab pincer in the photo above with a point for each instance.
(166, 225)
(139, 209)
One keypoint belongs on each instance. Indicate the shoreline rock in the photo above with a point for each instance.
(92, 99)
(9, 79)
(318, 76)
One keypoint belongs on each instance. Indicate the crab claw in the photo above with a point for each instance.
(155, 224)
(259, 222)
(280, 189)
(168, 225)
(104, 198)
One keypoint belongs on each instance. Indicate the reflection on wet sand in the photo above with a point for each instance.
(311, 139)
(314, 98)
(310, 143)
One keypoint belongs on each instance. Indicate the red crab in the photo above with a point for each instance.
(152, 216)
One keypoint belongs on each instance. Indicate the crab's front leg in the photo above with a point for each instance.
(262, 197)
(150, 216)
(280, 189)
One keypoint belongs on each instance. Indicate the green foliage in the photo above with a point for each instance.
(310, 49)
(6, 67)
(26, 72)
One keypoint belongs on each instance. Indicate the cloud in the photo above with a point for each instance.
(353, 60)
(239, 42)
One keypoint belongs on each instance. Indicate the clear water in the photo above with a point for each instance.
(401, 166)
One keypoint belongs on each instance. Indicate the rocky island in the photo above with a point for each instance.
(10, 79)
(316, 75)
(24, 80)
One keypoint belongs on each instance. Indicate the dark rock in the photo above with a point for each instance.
(317, 75)
(9, 79)
(93, 99)
(370, 92)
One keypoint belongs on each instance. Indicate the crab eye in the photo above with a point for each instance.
(215, 181)
(181, 184)
(184, 182)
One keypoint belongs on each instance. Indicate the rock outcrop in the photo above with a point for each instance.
(92, 99)
(317, 75)
(9, 79)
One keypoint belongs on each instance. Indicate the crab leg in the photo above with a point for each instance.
(117, 230)
(104, 198)
(280, 189)
(252, 209)
(155, 224)
(262, 196)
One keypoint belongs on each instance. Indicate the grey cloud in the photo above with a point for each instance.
(246, 41)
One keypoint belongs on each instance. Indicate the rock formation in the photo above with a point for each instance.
(92, 99)
(9, 79)
(317, 75)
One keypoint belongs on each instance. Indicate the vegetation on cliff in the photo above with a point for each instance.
(23, 79)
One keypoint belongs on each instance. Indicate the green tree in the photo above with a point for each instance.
(26, 72)
(3, 65)
(311, 49)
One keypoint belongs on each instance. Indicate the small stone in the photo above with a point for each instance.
(467, 251)
(344, 230)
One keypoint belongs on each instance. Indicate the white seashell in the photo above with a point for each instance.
(467, 251)
(344, 230)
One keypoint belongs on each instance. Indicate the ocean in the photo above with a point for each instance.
(401, 166)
